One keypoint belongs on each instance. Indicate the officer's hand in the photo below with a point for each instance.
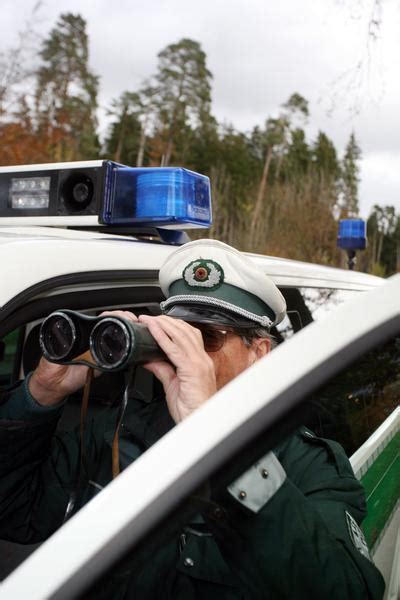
(189, 380)
(50, 383)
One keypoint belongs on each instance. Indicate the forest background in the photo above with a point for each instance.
(274, 191)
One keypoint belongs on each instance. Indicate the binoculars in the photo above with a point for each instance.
(109, 343)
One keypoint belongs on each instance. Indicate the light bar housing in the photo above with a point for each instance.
(106, 192)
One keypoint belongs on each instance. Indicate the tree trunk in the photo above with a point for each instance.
(168, 152)
(118, 150)
(140, 155)
(380, 245)
(260, 195)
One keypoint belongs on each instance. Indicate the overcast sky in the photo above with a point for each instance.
(259, 52)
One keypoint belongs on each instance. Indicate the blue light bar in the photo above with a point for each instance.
(170, 197)
(352, 234)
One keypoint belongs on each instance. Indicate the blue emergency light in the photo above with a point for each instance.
(106, 193)
(352, 237)
(352, 234)
(159, 196)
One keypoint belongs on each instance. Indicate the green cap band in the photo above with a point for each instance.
(226, 293)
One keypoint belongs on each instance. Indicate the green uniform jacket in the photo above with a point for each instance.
(298, 544)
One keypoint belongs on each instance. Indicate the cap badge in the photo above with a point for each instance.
(203, 273)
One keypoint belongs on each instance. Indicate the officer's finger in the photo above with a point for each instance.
(164, 372)
(162, 338)
(125, 314)
(182, 335)
(179, 347)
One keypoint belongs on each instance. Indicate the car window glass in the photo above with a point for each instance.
(321, 301)
(289, 324)
(308, 304)
(353, 405)
(9, 357)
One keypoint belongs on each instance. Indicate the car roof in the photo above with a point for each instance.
(30, 255)
(289, 272)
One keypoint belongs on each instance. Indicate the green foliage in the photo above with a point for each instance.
(183, 81)
(298, 156)
(122, 143)
(383, 230)
(205, 148)
(66, 91)
(350, 178)
(296, 104)
(183, 95)
(168, 119)
(325, 157)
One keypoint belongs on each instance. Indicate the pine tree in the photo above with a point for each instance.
(326, 170)
(183, 85)
(383, 229)
(350, 178)
(66, 93)
(16, 64)
(123, 140)
(275, 141)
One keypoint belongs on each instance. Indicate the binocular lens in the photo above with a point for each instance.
(110, 342)
(106, 343)
(57, 336)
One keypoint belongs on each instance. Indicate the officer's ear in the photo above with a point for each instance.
(261, 347)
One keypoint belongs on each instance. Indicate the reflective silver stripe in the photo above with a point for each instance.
(188, 298)
(258, 484)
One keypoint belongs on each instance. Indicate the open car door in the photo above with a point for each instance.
(240, 424)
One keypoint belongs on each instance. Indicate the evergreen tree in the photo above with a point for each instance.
(326, 169)
(325, 158)
(275, 141)
(297, 161)
(205, 149)
(16, 64)
(123, 140)
(183, 85)
(350, 178)
(383, 229)
(66, 92)
(232, 177)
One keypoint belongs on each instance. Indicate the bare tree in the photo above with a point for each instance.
(17, 64)
(352, 88)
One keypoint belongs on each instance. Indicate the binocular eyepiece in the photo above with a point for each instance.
(108, 343)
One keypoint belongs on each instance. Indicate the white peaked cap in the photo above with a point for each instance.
(210, 274)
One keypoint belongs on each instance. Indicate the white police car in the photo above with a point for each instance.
(45, 267)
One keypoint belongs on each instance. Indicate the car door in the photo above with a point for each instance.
(221, 440)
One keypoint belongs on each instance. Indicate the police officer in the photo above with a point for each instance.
(287, 528)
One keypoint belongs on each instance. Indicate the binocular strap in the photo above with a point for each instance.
(82, 467)
(115, 445)
(82, 474)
